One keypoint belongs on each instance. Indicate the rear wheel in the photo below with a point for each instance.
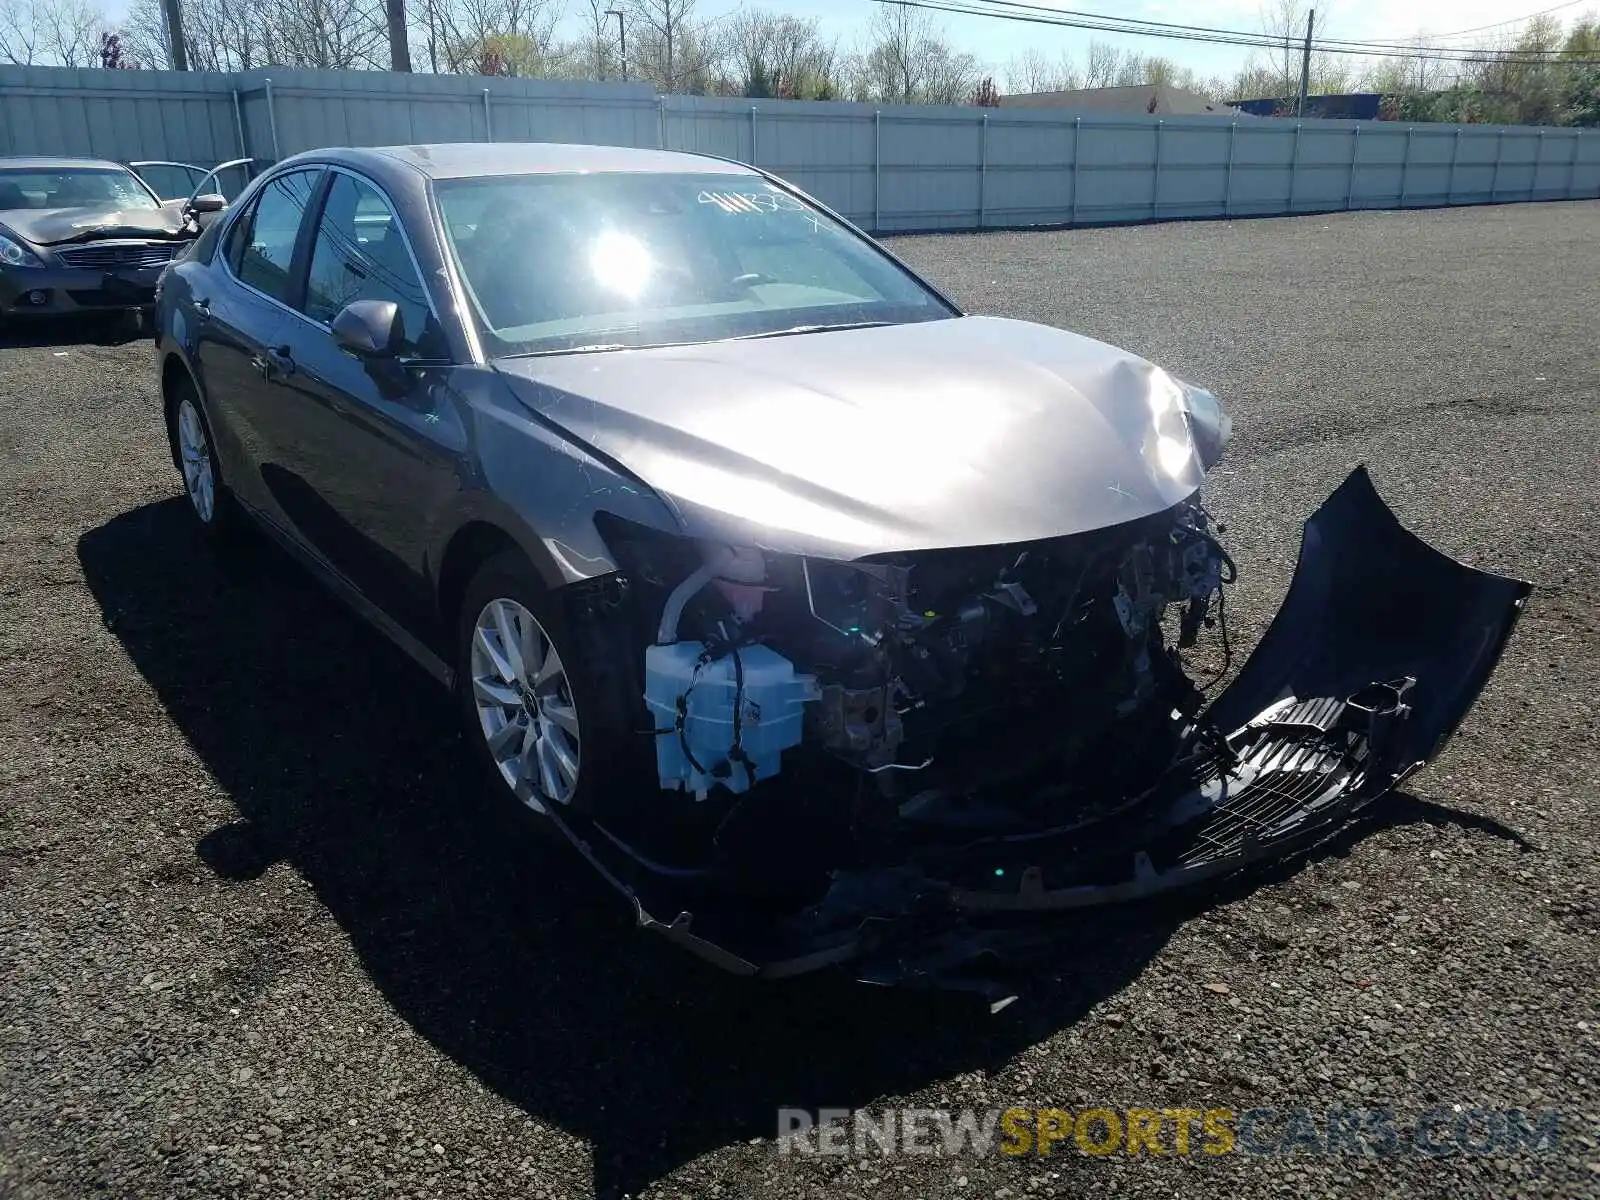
(197, 460)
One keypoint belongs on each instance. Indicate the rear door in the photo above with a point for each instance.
(367, 455)
(244, 322)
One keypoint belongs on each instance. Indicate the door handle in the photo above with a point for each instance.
(279, 359)
(202, 308)
(275, 361)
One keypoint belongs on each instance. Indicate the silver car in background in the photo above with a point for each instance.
(81, 235)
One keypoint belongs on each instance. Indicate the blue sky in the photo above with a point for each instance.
(996, 41)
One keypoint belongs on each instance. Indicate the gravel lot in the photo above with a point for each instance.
(261, 939)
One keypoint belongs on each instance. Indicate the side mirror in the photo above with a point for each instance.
(210, 202)
(370, 329)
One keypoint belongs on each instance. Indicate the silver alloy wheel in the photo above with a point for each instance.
(194, 452)
(525, 704)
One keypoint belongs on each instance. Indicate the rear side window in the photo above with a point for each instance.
(206, 244)
(260, 246)
(169, 180)
(361, 254)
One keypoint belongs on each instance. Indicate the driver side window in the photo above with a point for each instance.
(360, 254)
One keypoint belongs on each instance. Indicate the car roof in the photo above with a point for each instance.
(42, 163)
(455, 160)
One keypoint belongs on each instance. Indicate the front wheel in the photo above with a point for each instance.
(527, 706)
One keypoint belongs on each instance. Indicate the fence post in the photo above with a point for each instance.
(238, 124)
(983, 167)
(1538, 161)
(1455, 155)
(1227, 185)
(1405, 164)
(1572, 164)
(877, 166)
(1155, 178)
(1077, 153)
(488, 126)
(661, 122)
(1294, 166)
(272, 123)
(752, 135)
(1494, 180)
(1355, 153)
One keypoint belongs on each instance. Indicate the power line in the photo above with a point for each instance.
(1543, 12)
(1035, 14)
(1148, 27)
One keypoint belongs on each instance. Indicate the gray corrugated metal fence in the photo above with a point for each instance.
(889, 168)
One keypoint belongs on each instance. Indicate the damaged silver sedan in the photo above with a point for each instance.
(828, 622)
(85, 235)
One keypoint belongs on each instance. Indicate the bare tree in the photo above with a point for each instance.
(1031, 71)
(1405, 74)
(908, 61)
(597, 53)
(768, 53)
(901, 38)
(1134, 69)
(1102, 64)
(62, 33)
(492, 37)
(325, 34)
(671, 49)
(237, 35)
(951, 78)
(1285, 21)
(218, 35)
(1276, 72)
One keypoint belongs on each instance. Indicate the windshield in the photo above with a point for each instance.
(74, 187)
(561, 263)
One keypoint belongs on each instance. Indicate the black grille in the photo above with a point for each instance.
(106, 258)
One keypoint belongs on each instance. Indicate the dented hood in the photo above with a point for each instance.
(59, 226)
(959, 432)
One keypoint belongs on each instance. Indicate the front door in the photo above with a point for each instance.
(372, 451)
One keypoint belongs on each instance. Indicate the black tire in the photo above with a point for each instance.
(221, 523)
(510, 577)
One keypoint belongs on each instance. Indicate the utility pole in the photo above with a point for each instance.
(622, 39)
(180, 52)
(399, 45)
(1305, 65)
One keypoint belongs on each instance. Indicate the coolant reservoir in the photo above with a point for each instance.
(770, 705)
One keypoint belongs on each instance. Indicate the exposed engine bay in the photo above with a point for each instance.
(913, 669)
(841, 749)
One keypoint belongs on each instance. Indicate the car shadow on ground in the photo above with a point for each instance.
(508, 955)
(90, 328)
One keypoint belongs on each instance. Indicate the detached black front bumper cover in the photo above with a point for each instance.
(1380, 649)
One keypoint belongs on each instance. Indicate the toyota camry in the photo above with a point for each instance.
(827, 621)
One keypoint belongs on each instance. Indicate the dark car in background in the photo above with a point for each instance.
(827, 621)
(87, 235)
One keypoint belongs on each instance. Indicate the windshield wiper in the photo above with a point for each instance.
(797, 329)
(596, 348)
(604, 347)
